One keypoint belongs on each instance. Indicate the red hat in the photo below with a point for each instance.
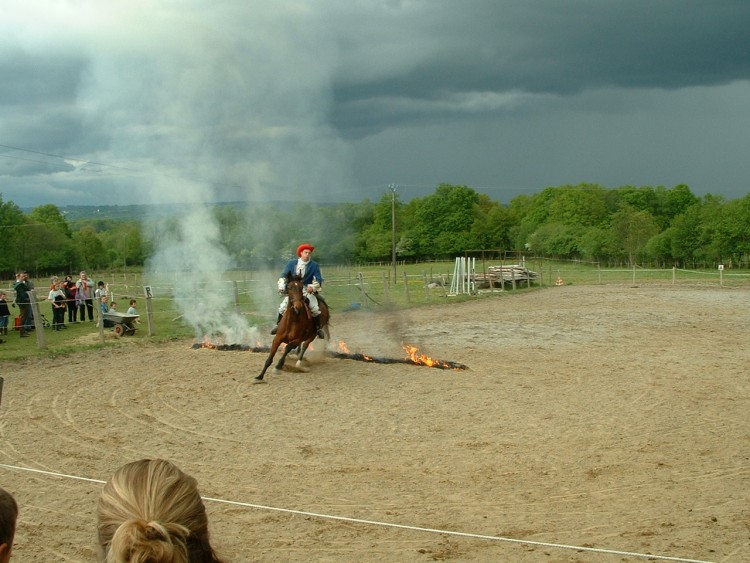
(305, 246)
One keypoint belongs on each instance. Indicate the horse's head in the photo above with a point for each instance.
(296, 292)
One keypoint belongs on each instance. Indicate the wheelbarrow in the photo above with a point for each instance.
(121, 322)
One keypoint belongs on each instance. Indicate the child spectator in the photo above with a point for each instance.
(4, 314)
(150, 510)
(8, 518)
(132, 310)
(57, 298)
(102, 290)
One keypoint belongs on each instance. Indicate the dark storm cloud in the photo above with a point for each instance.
(551, 47)
(38, 79)
(256, 100)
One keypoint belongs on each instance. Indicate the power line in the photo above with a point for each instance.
(66, 158)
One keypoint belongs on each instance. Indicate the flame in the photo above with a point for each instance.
(207, 343)
(418, 358)
(343, 348)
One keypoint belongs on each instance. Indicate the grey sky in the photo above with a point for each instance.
(334, 100)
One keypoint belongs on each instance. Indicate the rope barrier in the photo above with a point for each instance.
(393, 525)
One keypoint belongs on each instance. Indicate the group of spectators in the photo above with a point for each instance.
(65, 295)
(148, 511)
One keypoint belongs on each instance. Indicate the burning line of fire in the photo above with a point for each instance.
(414, 356)
(440, 364)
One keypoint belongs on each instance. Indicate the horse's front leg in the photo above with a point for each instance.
(269, 360)
(287, 350)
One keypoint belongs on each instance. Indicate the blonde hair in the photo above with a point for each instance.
(151, 512)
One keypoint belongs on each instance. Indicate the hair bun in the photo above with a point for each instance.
(155, 531)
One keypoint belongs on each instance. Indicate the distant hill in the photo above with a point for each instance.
(74, 213)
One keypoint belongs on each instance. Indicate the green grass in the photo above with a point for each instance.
(373, 288)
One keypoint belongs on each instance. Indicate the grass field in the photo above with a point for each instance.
(346, 288)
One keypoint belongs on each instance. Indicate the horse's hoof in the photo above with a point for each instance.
(256, 381)
(258, 378)
(302, 367)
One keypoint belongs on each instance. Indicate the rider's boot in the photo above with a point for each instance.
(318, 326)
(276, 326)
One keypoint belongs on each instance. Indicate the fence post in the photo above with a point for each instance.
(406, 287)
(362, 288)
(385, 286)
(38, 324)
(236, 296)
(674, 274)
(100, 318)
(149, 309)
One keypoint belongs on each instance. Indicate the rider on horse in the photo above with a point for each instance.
(309, 271)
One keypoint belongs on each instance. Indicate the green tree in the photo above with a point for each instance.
(13, 229)
(91, 248)
(555, 239)
(51, 216)
(633, 229)
(444, 221)
(375, 242)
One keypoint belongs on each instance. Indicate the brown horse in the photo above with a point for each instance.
(297, 327)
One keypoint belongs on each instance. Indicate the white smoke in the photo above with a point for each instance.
(213, 102)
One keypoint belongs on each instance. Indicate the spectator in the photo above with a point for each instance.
(57, 298)
(132, 310)
(8, 518)
(4, 314)
(85, 296)
(150, 510)
(69, 287)
(102, 290)
(21, 287)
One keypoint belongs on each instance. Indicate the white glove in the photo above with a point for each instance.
(314, 287)
(281, 285)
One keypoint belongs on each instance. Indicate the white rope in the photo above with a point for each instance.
(397, 526)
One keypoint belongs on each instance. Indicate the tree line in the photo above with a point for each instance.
(654, 226)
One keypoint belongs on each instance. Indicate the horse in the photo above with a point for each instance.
(297, 327)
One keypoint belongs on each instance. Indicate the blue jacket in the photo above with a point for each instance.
(312, 270)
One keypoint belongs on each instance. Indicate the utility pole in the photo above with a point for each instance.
(393, 230)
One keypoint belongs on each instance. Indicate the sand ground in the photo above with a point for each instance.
(610, 418)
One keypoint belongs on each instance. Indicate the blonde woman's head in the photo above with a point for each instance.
(151, 512)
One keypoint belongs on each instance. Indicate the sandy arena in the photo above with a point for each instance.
(597, 423)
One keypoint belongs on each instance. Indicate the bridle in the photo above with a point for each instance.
(295, 290)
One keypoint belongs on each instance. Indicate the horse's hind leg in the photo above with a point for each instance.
(300, 365)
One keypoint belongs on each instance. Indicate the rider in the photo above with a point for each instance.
(309, 270)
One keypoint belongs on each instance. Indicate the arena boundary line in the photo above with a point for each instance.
(392, 525)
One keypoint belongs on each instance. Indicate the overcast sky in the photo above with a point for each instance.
(114, 102)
